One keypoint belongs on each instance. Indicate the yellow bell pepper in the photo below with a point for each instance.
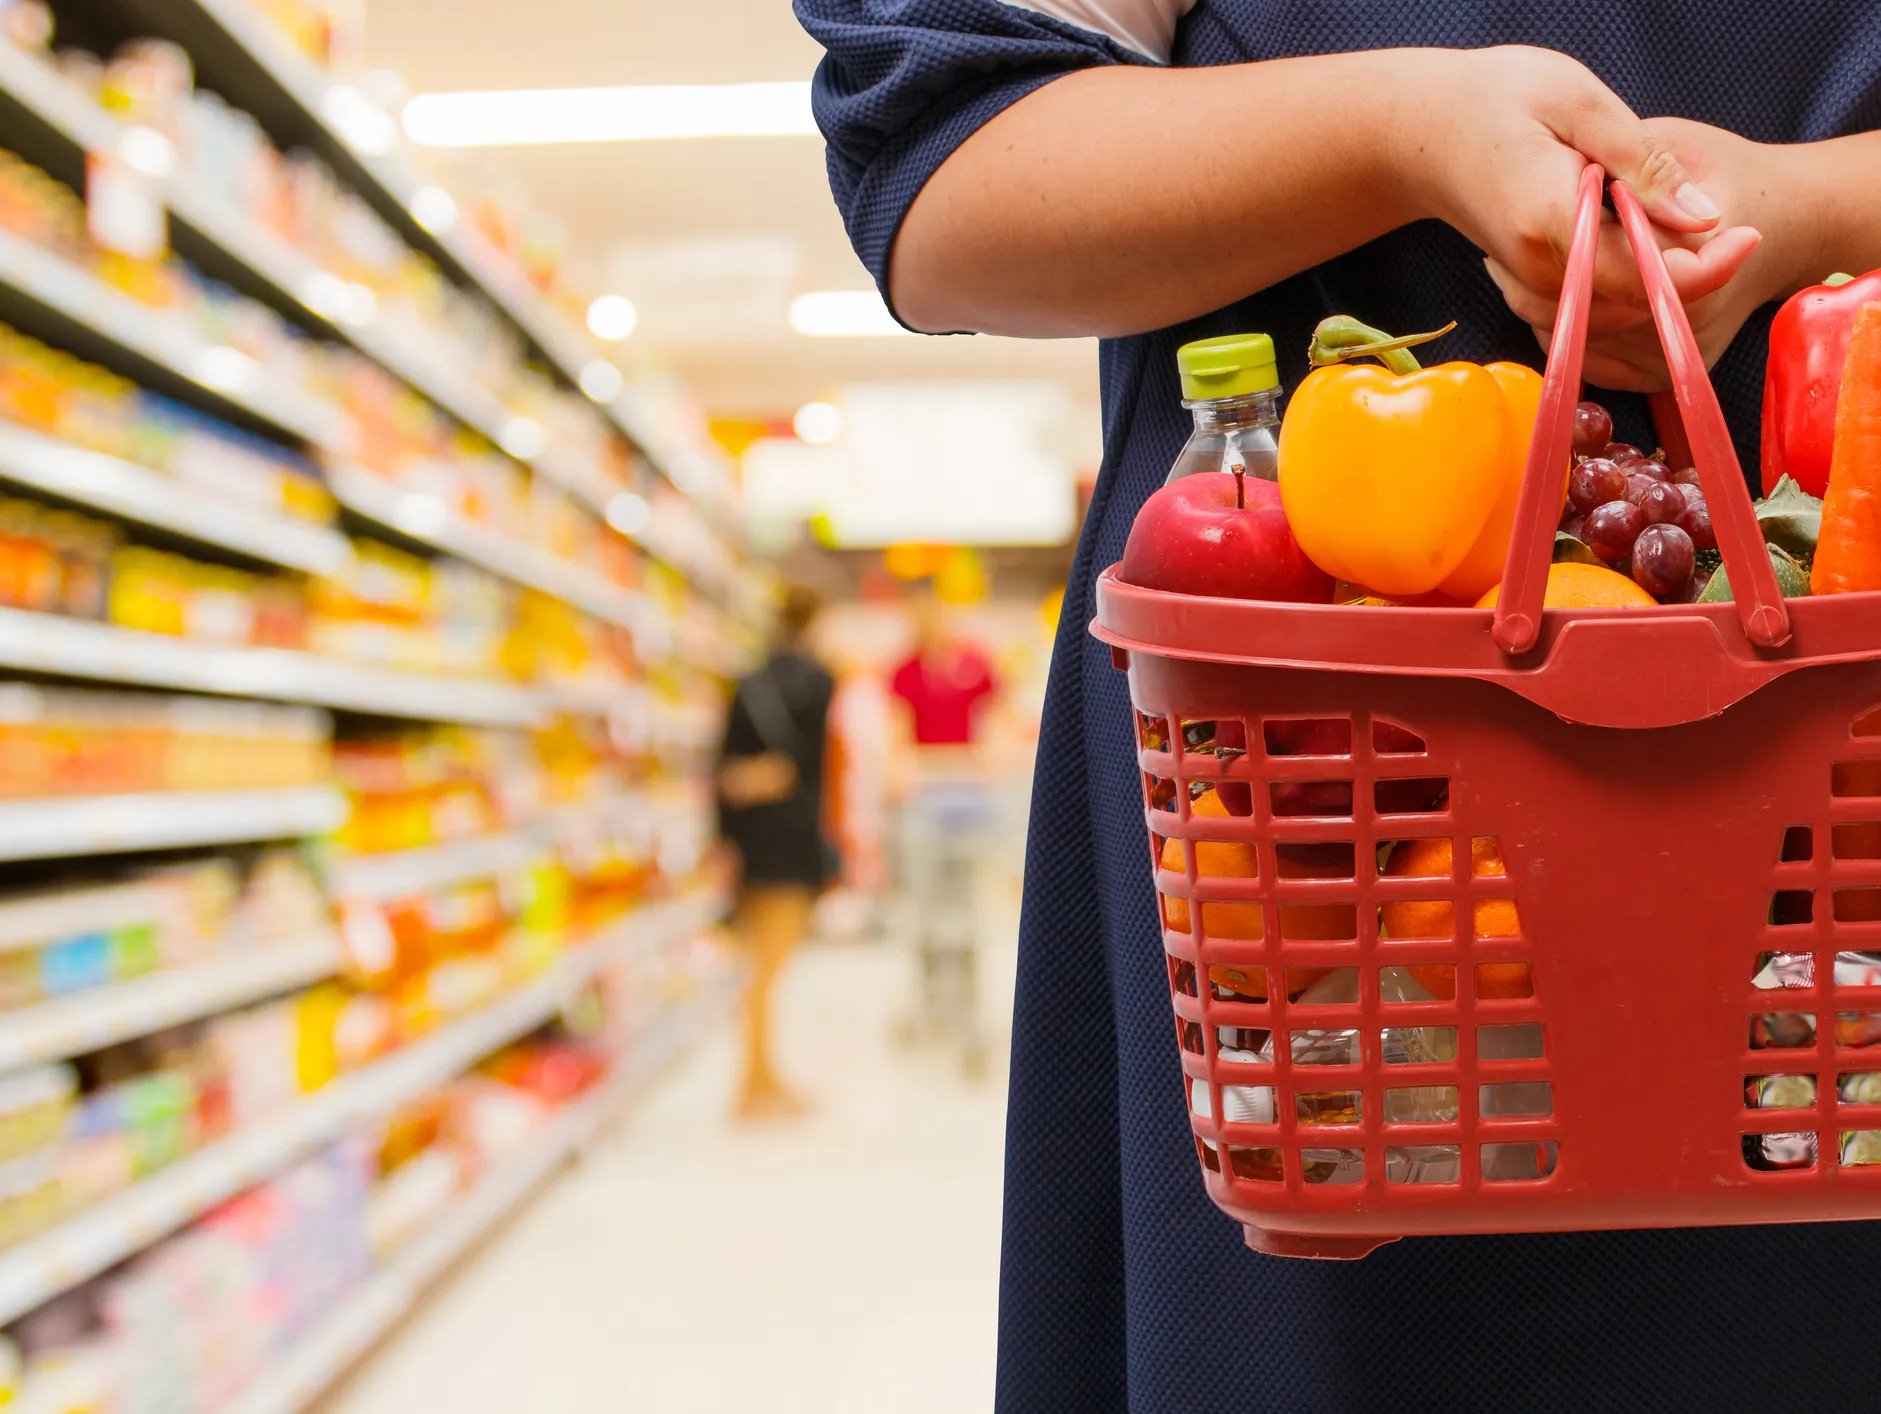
(1404, 479)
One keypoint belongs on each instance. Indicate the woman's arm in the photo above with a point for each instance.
(1120, 199)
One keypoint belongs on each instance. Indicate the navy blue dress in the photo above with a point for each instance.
(1123, 1288)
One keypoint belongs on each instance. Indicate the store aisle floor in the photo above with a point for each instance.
(845, 1265)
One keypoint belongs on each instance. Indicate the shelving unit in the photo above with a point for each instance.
(51, 644)
(659, 695)
(430, 522)
(69, 826)
(167, 355)
(412, 871)
(86, 1021)
(100, 1237)
(369, 1313)
(31, 461)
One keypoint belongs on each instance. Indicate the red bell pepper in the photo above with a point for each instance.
(1808, 346)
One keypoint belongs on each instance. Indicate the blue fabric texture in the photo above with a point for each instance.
(1122, 1286)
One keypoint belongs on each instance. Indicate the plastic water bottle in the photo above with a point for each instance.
(1232, 387)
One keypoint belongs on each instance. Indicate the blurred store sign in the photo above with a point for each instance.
(966, 463)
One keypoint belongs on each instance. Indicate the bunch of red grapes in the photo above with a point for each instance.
(1635, 512)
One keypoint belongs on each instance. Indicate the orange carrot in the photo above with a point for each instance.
(1848, 554)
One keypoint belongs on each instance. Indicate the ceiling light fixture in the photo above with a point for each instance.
(818, 423)
(524, 116)
(612, 318)
(842, 314)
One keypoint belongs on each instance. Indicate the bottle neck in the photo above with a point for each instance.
(1221, 415)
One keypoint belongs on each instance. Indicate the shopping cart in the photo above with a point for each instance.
(947, 832)
(1676, 796)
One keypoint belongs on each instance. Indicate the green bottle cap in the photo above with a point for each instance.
(1231, 366)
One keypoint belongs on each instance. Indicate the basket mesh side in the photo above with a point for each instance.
(1812, 1070)
(1356, 1005)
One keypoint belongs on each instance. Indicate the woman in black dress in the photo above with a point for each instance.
(770, 788)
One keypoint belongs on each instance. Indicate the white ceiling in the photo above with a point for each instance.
(710, 238)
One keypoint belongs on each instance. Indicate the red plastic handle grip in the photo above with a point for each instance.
(1538, 510)
(1760, 605)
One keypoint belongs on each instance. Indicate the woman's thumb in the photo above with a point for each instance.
(1607, 132)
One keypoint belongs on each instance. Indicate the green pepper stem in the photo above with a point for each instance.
(1342, 337)
(1838, 279)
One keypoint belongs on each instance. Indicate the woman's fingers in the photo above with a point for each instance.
(1698, 266)
(1600, 126)
(1537, 307)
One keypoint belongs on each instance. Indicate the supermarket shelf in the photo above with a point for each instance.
(85, 1021)
(213, 373)
(430, 522)
(238, 51)
(69, 826)
(296, 282)
(38, 1270)
(50, 643)
(35, 462)
(367, 1314)
(412, 871)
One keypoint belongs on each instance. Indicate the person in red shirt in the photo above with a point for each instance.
(944, 681)
(945, 792)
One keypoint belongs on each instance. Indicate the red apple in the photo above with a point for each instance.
(1195, 536)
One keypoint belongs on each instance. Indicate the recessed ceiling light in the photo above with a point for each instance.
(434, 209)
(818, 423)
(514, 117)
(612, 318)
(842, 314)
(600, 380)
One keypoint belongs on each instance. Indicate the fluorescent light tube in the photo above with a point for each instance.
(842, 314)
(518, 117)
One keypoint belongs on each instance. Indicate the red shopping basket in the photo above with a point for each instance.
(1687, 806)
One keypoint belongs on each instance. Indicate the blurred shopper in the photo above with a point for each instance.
(770, 788)
(945, 824)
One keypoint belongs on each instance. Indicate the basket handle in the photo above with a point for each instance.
(1760, 605)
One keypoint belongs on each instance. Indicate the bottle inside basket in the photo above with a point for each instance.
(1232, 386)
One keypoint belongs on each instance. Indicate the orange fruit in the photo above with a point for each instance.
(1434, 918)
(1233, 859)
(1578, 586)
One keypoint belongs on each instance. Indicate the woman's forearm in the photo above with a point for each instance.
(1844, 175)
(1118, 200)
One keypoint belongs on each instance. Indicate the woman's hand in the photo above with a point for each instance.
(746, 781)
(1775, 251)
(1504, 168)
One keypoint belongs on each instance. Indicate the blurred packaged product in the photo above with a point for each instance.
(58, 941)
(404, 611)
(50, 391)
(429, 785)
(71, 741)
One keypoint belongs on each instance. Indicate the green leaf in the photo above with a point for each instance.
(1571, 549)
(1791, 519)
